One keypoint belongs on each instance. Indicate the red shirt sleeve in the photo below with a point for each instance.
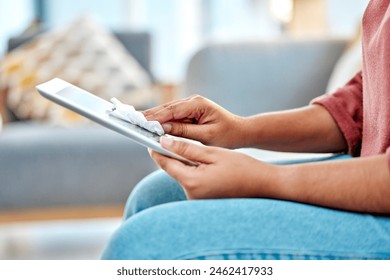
(346, 107)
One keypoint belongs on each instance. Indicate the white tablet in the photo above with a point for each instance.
(97, 110)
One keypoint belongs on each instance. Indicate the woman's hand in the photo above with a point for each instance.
(220, 174)
(200, 119)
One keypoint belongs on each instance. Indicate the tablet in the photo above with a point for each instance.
(97, 110)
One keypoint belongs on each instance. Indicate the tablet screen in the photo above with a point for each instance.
(96, 105)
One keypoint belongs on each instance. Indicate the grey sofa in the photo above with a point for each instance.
(42, 166)
(255, 77)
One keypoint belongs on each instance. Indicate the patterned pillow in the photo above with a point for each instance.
(83, 53)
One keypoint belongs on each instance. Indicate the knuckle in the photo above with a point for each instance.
(192, 96)
(170, 107)
(181, 147)
(171, 110)
(197, 97)
(209, 136)
(180, 129)
(165, 114)
(147, 112)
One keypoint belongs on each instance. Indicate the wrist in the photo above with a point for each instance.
(267, 181)
(242, 132)
(276, 182)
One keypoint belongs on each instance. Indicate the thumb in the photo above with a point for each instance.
(194, 152)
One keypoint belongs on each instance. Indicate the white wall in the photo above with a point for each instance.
(110, 12)
(175, 29)
(15, 16)
(237, 19)
(345, 15)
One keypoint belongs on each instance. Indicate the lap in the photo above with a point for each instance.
(249, 229)
(159, 188)
(155, 189)
(161, 224)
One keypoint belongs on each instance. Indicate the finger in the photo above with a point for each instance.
(178, 111)
(173, 167)
(185, 129)
(152, 111)
(193, 152)
(171, 112)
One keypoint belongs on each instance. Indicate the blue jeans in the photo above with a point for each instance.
(159, 223)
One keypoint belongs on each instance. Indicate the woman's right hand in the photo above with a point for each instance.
(200, 119)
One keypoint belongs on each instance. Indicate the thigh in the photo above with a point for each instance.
(159, 188)
(249, 229)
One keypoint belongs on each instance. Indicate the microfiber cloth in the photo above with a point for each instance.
(129, 114)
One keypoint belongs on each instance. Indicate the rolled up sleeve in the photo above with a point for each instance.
(346, 107)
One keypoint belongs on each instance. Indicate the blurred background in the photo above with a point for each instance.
(63, 183)
(179, 28)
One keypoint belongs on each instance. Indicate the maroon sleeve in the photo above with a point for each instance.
(346, 107)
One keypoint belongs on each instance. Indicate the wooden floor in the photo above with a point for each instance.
(88, 212)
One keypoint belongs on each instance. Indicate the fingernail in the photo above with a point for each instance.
(166, 141)
(167, 127)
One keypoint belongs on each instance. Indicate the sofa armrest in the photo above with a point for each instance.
(256, 77)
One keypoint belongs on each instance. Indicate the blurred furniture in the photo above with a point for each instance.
(86, 168)
(43, 166)
(255, 77)
(137, 43)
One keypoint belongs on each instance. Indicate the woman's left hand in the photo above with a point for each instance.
(221, 173)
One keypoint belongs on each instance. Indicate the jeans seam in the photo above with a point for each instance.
(271, 254)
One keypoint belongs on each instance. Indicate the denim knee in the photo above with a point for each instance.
(155, 189)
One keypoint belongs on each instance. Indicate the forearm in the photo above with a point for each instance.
(361, 184)
(309, 129)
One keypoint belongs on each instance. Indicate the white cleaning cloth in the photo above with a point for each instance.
(128, 113)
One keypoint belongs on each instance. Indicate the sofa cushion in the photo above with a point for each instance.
(83, 53)
(43, 166)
